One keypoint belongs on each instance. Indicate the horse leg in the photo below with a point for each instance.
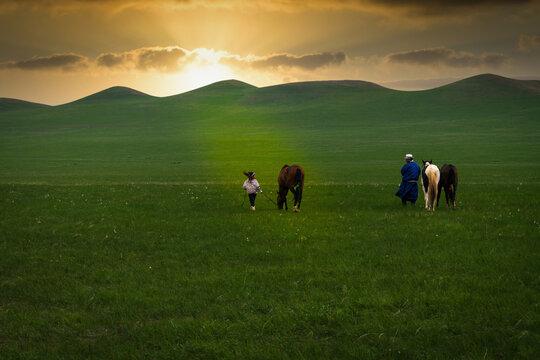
(439, 194)
(295, 192)
(282, 196)
(426, 197)
(297, 199)
(453, 195)
(446, 194)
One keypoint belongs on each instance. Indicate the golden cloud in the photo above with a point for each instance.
(162, 59)
(415, 7)
(304, 62)
(446, 57)
(173, 59)
(64, 62)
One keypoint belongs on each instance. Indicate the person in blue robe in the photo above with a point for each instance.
(408, 189)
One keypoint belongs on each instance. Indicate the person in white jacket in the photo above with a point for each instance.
(251, 185)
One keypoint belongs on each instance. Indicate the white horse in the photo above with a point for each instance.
(430, 180)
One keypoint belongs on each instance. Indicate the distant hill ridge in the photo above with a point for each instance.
(229, 84)
(527, 85)
(115, 93)
(13, 104)
(308, 89)
(310, 84)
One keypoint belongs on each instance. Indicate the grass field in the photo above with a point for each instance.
(124, 231)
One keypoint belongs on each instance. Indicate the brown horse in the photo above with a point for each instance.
(289, 178)
(449, 181)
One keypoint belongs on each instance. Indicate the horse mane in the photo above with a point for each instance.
(284, 166)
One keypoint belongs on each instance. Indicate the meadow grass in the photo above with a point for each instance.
(169, 271)
(124, 231)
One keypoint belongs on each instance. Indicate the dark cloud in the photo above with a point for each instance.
(446, 57)
(448, 3)
(306, 62)
(161, 59)
(65, 62)
(529, 42)
(432, 7)
(419, 6)
(494, 60)
(167, 59)
(112, 60)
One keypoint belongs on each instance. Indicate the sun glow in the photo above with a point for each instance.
(205, 69)
(196, 76)
(201, 67)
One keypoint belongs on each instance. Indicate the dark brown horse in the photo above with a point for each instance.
(290, 178)
(449, 181)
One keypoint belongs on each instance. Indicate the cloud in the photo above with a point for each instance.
(529, 42)
(162, 59)
(446, 57)
(444, 7)
(64, 62)
(304, 62)
(177, 60)
(417, 7)
(112, 60)
(173, 59)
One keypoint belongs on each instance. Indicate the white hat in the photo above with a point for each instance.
(408, 156)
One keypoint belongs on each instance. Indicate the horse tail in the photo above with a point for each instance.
(432, 186)
(453, 178)
(453, 181)
(299, 177)
(299, 183)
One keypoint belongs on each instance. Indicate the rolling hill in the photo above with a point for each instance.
(309, 89)
(15, 104)
(120, 134)
(125, 232)
(115, 93)
(491, 86)
(495, 80)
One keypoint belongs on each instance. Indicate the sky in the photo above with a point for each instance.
(57, 51)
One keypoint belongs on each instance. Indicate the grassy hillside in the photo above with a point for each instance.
(115, 93)
(15, 104)
(341, 132)
(124, 231)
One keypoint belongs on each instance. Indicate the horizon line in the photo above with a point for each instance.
(441, 82)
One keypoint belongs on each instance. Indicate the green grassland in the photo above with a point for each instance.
(124, 231)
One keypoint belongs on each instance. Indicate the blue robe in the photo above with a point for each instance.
(409, 190)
